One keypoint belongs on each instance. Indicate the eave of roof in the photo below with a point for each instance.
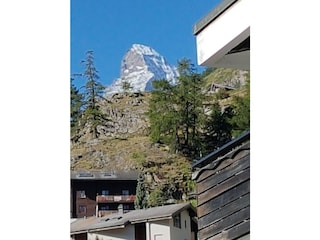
(107, 228)
(104, 175)
(212, 15)
(221, 151)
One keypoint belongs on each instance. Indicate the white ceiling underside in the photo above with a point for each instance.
(223, 34)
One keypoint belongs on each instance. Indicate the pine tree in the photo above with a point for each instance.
(189, 100)
(92, 93)
(76, 102)
(218, 128)
(162, 113)
(241, 111)
(141, 200)
(126, 86)
(175, 112)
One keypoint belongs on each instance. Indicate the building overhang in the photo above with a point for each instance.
(223, 36)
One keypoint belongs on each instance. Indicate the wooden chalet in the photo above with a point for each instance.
(223, 191)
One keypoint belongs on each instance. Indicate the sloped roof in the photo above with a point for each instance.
(104, 175)
(222, 150)
(118, 220)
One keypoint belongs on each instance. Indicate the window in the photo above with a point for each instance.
(82, 209)
(126, 207)
(81, 194)
(125, 192)
(105, 192)
(106, 207)
(177, 221)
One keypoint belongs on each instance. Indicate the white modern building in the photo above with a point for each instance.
(223, 36)
(170, 222)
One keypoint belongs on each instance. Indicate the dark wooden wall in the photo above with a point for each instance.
(93, 188)
(223, 190)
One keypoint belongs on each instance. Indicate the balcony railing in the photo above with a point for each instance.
(115, 198)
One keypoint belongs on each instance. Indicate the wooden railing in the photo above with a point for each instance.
(115, 198)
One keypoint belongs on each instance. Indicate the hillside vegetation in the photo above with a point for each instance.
(155, 134)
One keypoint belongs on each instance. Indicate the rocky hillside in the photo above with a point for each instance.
(123, 142)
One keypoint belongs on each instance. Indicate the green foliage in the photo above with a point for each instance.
(241, 111)
(93, 91)
(222, 94)
(141, 195)
(189, 102)
(175, 112)
(140, 158)
(193, 203)
(126, 86)
(156, 197)
(218, 127)
(76, 102)
(162, 113)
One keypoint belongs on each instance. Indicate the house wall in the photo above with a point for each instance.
(224, 196)
(159, 230)
(183, 233)
(114, 234)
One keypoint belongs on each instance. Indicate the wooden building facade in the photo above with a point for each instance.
(100, 193)
(223, 191)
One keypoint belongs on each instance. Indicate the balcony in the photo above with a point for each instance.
(115, 198)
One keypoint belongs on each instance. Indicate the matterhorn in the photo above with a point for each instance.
(139, 67)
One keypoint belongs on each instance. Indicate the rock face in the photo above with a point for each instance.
(139, 67)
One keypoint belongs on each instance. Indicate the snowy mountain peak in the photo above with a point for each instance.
(139, 67)
(144, 50)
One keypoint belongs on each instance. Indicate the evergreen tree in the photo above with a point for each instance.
(126, 86)
(175, 112)
(218, 128)
(241, 109)
(141, 200)
(76, 102)
(162, 114)
(189, 100)
(93, 91)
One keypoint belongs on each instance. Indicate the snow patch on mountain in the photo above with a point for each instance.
(139, 67)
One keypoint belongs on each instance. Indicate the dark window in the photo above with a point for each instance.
(106, 207)
(177, 221)
(82, 209)
(125, 192)
(105, 192)
(126, 207)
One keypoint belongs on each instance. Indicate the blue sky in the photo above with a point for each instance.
(110, 27)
